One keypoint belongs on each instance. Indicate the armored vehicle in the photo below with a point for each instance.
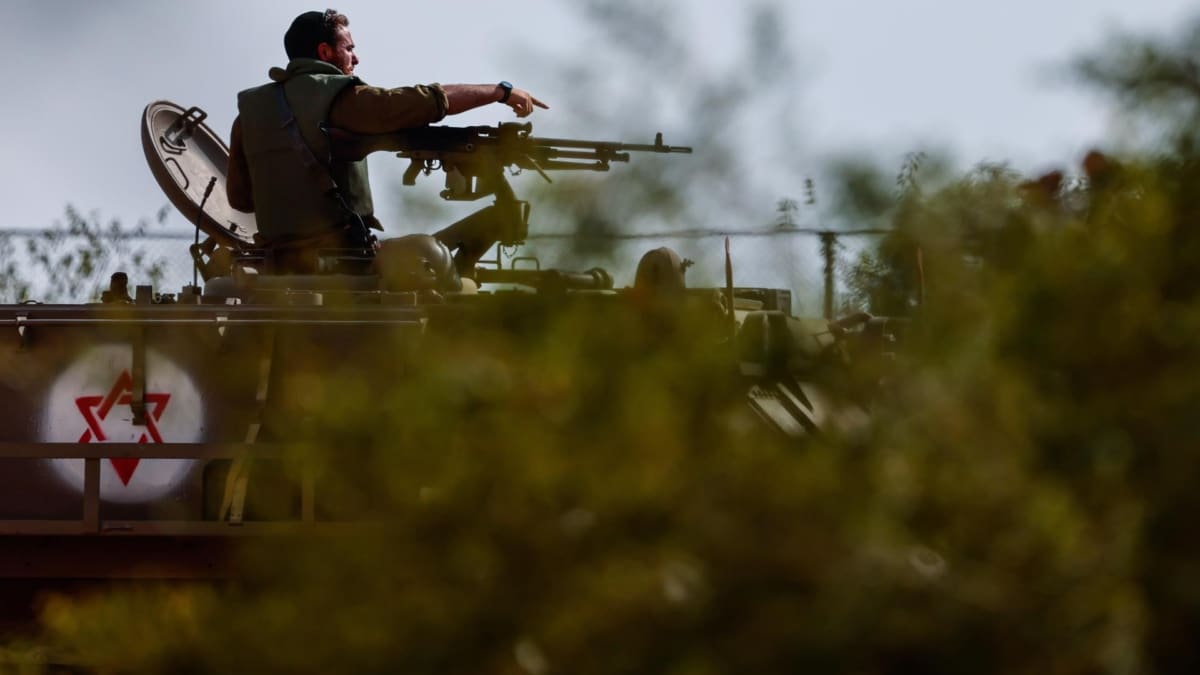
(128, 421)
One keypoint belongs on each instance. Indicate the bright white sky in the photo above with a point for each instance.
(877, 75)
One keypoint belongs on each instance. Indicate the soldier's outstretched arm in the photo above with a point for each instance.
(464, 97)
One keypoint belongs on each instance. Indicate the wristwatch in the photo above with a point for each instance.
(507, 87)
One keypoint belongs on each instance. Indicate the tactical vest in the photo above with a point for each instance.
(292, 195)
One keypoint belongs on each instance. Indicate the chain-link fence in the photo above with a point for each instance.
(74, 264)
(812, 263)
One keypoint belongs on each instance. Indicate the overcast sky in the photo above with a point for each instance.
(973, 76)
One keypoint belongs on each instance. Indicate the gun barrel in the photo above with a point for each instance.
(602, 156)
(606, 146)
(349, 146)
(557, 165)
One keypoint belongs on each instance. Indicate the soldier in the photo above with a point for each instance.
(279, 165)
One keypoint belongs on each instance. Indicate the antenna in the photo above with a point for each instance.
(729, 291)
(199, 216)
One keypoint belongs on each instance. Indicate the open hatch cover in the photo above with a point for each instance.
(185, 156)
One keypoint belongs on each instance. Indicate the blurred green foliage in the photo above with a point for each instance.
(582, 488)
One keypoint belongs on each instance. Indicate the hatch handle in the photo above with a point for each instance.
(175, 135)
(537, 264)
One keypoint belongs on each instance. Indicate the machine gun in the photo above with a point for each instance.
(476, 160)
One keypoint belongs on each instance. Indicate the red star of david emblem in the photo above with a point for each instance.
(95, 410)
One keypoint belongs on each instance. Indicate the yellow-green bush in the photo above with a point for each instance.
(580, 489)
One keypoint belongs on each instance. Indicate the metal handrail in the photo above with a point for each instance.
(91, 524)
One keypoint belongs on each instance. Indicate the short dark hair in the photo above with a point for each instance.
(311, 29)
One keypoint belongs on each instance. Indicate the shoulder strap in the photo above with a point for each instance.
(359, 231)
(288, 122)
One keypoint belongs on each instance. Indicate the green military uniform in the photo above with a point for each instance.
(294, 196)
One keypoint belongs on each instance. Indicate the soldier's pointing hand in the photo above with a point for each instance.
(522, 103)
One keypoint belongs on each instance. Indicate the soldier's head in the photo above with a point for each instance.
(322, 35)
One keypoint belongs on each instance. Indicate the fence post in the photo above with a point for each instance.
(829, 253)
